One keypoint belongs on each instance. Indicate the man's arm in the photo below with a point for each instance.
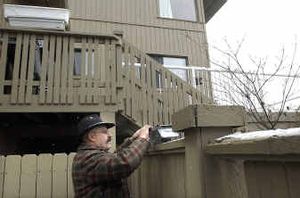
(113, 166)
(129, 140)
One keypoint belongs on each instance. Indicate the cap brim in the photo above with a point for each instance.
(105, 124)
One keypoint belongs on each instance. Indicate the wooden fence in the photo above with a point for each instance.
(162, 173)
(43, 175)
(198, 167)
(42, 71)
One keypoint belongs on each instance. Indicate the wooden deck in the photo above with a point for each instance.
(42, 71)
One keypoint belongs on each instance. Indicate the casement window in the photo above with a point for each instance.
(178, 9)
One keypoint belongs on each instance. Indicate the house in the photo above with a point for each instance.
(109, 57)
(44, 91)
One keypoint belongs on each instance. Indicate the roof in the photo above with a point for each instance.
(211, 7)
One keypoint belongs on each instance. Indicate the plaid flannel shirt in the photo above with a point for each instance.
(98, 173)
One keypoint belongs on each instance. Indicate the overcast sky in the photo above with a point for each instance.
(266, 25)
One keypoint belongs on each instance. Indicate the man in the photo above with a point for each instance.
(99, 173)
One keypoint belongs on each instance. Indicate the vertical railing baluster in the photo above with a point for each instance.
(70, 89)
(57, 70)
(42, 88)
(83, 72)
(30, 69)
(16, 70)
(3, 59)
(49, 76)
(64, 70)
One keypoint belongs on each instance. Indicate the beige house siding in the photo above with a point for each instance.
(153, 40)
(140, 22)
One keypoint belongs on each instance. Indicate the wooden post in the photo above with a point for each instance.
(202, 124)
(110, 117)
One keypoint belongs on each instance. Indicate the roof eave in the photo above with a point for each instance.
(211, 7)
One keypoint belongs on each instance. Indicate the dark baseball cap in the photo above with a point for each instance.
(91, 121)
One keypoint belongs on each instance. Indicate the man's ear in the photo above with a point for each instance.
(91, 136)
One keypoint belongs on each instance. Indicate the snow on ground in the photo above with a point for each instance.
(259, 135)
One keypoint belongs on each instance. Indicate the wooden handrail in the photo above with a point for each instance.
(51, 32)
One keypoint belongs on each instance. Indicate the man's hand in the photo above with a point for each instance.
(142, 132)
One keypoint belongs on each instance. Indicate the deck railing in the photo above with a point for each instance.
(42, 71)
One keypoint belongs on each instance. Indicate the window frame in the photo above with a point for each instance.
(178, 19)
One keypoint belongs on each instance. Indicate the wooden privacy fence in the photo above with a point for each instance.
(63, 71)
(45, 175)
(200, 167)
(162, 173)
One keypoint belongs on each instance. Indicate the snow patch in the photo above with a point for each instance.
(259, 135)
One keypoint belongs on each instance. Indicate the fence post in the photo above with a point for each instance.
(202, 124)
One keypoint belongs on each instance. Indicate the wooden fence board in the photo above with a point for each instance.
(30, 69)
(293, 177)
(44, 176)
(16, 70)
(2, 175)
(28, 176)
(263, 179)
(70, 186)
(59, 177)
(12, 176)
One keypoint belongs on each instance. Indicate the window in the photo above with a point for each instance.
(178, 9)
(78, 60)
(171, 63)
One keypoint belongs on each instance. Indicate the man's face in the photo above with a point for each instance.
(100, 137)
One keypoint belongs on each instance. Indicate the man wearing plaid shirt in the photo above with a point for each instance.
(99, 173)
